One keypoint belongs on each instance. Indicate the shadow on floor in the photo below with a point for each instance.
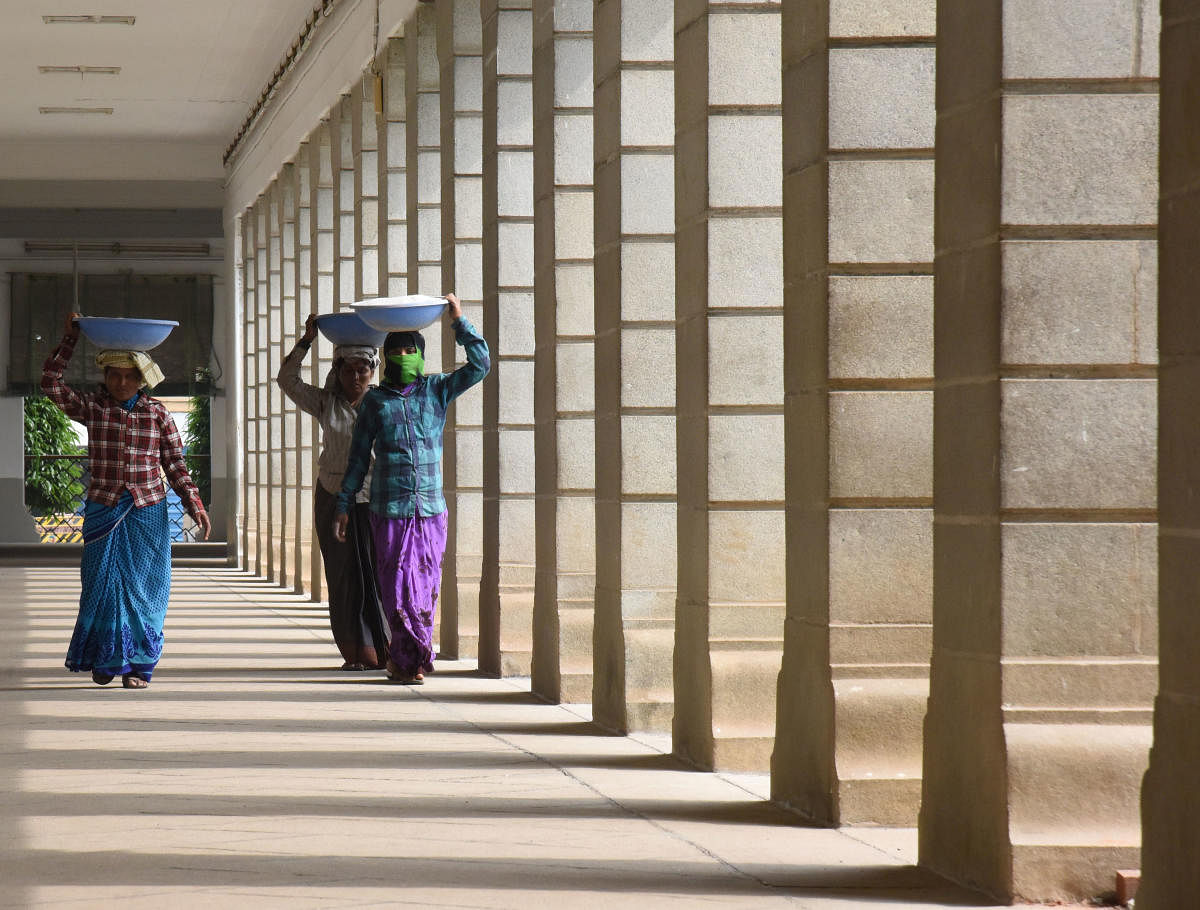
(548, 873)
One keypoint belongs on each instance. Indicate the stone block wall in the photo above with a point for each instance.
(563, 333)
(1044, 434)
(459, 49)
(507, 586)
(634, 319)
(858, 250)
(824, 429)
(729, 352)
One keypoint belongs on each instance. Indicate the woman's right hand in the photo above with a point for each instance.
(310, 328)
(339, 527)
(71, 326)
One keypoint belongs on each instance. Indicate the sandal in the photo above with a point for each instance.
(101, 679)
(394, 675)
(133, 681)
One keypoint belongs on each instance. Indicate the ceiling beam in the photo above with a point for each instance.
(109, 224)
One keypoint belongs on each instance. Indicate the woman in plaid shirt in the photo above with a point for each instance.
(126, 566)
(401, 421)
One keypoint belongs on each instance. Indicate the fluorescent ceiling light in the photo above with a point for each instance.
(75, 110)
(57, 249)
(89, 20)
(81, 70)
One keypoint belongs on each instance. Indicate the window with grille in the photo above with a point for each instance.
(40, 303)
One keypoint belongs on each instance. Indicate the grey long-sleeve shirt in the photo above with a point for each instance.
(333, 413)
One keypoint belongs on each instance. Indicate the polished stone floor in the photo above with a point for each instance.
(253, 773)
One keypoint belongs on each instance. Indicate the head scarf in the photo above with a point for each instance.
(349, 352)
(139, 360)
(403, 340)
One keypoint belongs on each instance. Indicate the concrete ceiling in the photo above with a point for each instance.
(190, 71)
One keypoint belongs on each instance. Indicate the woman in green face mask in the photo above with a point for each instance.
(405, 363)
(401, 422)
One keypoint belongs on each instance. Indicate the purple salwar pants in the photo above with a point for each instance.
(408, 564)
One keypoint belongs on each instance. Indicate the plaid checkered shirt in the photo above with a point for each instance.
(125, 448)
(405, 432)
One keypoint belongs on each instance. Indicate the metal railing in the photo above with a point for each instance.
(57, 526)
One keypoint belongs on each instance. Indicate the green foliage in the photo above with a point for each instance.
(197, 438)
(52, 485)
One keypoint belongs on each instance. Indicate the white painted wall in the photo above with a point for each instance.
(341, 50)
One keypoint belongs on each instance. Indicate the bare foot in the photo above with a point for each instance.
(129, 681)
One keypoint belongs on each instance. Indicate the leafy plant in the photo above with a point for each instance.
(197, 437)
(52, 485)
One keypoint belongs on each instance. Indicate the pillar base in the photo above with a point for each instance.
(1073, 805)
(516, 632)
(879, 742)
(1170, 806)
(743, 714)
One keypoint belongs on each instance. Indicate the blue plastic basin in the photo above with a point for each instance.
(401, 314)
(110, 333)
(349, 328)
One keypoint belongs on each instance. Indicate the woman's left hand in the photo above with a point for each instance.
(454, 310)
(205, 523)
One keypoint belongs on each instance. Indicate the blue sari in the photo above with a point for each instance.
(126, 576)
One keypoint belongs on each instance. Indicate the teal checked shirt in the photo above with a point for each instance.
(404, 429)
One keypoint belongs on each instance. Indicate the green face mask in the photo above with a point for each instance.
(402, 369)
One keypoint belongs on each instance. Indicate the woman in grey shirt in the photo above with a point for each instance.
(355, 610)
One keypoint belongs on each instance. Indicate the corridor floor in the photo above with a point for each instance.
(254, 774)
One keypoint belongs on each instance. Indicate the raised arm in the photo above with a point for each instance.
(71, 402)
(307, 397)
(170, 454)
(478, 358)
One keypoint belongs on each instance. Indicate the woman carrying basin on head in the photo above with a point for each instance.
(126, 565)
(401, 421)
(355, 611)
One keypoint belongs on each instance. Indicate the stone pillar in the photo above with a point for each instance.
(303, 456)
(262, 394)
(729, 354)
(393, 172)
(229, 409)
(276, 565)
(1043, 666)
(249, 517)
(459, 54)
(457, 629)
(341, 144)
(322, 220)
(424, 185)
(858, 112)
(507, 581)
(1170, 797)
(365, 142)
(634, 166)
(564, 406)
(288, 183)
(282, 300)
